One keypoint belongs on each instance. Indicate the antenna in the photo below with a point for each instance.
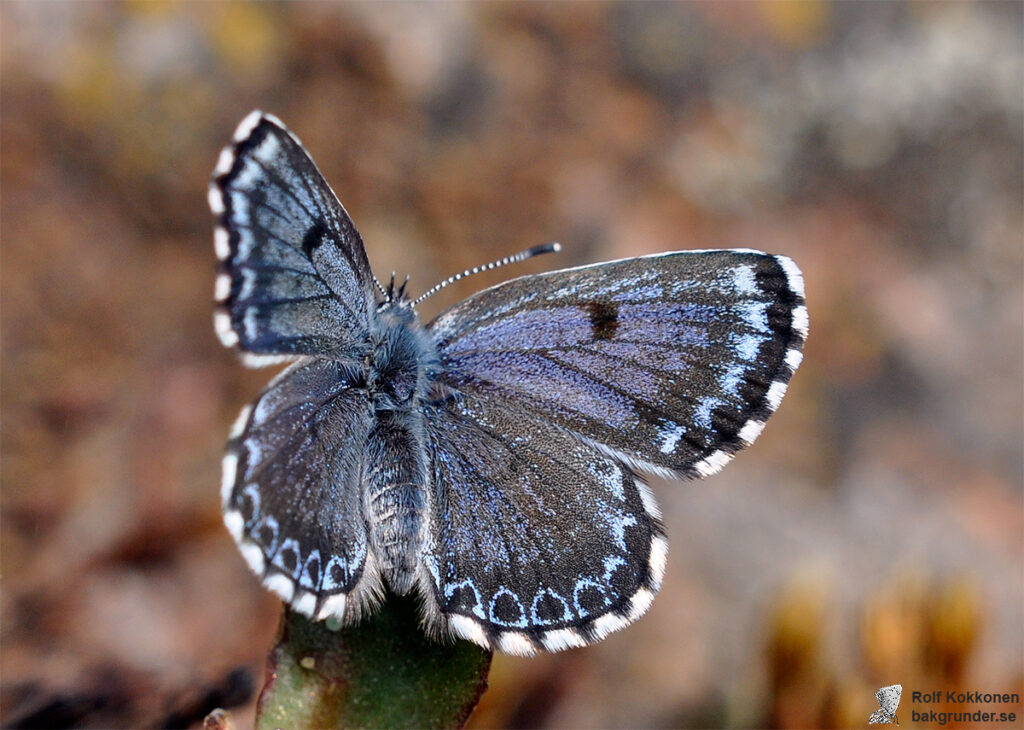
(521, 256)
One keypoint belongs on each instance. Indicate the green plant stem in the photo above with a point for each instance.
(383, 672)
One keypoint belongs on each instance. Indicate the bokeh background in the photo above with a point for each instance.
(872, 536)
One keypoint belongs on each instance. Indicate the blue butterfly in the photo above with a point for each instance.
(487, 459)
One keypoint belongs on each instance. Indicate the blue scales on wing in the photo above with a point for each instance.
(293, 276)
(670, 363)
(292, 484)
(536, 539)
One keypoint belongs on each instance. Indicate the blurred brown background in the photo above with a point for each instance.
(872, 536)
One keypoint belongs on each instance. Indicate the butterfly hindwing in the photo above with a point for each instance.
(537, 540)
(671, 362)
(293, 275)
(292, 489)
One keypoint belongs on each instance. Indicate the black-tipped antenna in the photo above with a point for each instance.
(521, 256)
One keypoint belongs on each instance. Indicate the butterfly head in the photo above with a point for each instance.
(397, 309)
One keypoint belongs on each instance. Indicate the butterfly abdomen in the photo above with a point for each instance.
(395, 496)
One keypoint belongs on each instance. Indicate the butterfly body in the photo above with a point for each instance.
(398, 375)
(487, 459)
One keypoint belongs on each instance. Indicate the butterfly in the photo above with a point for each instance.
(488, 459)
(888, 700)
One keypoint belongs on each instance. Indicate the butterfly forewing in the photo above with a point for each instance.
(537, 539)
(670, 362)
(292, 488)
(294, 278)
(889, 698)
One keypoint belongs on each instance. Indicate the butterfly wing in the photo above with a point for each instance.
(292, 489)
(535, 539)
(879, 718)
(293, 275)
(671, 362)
(889, 699)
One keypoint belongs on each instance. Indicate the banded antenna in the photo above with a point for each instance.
(514, 259)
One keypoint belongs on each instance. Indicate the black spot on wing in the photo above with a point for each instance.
(337, 574)
(290, 560)
(604, 319)
(507, 610)
(313, 239)
(549, 609)
(313, 570)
